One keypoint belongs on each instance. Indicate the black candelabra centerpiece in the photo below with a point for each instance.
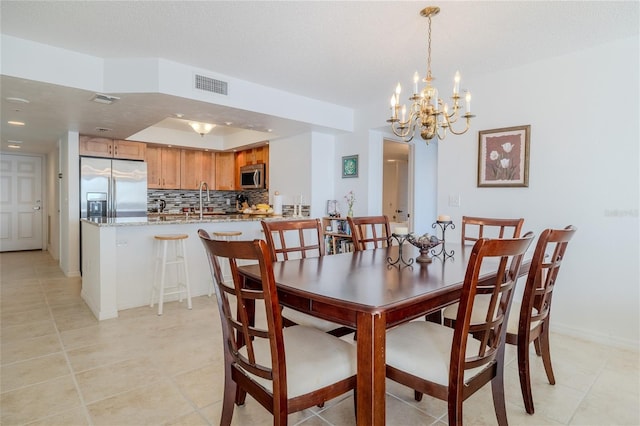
(400, 238)
(443, 225)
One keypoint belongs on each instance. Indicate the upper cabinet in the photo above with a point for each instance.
(163, 167)
(109, 148)
(258, 155)
(225, 171)
(195, 167)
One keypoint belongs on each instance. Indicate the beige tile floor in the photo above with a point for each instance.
(60, 366)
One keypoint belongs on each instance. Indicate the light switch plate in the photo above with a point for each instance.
(454, 200)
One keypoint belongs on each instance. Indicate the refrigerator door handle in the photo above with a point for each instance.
(114, 204)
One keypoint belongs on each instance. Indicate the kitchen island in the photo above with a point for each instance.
(118, 256)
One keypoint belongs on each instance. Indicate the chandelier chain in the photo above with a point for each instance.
(429, 53)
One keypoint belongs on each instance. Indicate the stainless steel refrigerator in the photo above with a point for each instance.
(112, 188)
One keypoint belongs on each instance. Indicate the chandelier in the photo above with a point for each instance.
(427, 111)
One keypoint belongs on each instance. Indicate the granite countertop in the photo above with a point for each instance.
(176, 219)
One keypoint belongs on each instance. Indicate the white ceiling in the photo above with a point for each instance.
(350, 53)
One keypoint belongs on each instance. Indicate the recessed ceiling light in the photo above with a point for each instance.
(228, 123)
(269, 130)
(16, 123)
(17, 100)
(179, 115)
(14, 146)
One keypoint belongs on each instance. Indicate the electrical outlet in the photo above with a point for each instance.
(454, 200)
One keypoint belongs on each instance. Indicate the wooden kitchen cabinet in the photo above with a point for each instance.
(247, 157)
(96, 147)
(163, 167)
(195, 167)
(129, 149)
(109, 148)
(225, 171)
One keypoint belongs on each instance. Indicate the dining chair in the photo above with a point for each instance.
(284, 369)
(497, 228)
(450, 364)
(369, 231)
(296, 239)
(532, 321)
(529, 318)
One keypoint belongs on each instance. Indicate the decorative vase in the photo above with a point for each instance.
(350, 212)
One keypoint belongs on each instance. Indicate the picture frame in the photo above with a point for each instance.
(350, 166)
(503, 157)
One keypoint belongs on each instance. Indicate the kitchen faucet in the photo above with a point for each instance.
(203, 184)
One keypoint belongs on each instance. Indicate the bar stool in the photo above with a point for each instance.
(179, 259)
(226, 236)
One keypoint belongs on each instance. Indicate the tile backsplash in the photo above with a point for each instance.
(178, 199)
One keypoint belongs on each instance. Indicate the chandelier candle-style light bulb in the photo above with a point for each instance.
(426, 106)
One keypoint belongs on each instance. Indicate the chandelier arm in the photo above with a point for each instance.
(465, 129)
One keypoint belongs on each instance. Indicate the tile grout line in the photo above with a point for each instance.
(66, 357)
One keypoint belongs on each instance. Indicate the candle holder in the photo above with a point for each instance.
(400, 238)
(443, 225)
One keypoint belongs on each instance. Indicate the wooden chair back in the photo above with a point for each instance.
(492, 330)
(545, 265)
(533, 320)
(294, 238)
(254, 356)
(476, 346)
(369, 232)
(473, 228)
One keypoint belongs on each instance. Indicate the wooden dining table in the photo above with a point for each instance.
(364, 291)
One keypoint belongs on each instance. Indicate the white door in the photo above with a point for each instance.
(20, 202)
(395, 188)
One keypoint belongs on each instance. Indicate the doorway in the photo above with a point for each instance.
(20, 202)
(396, 199)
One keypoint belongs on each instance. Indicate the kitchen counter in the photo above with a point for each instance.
(174, 218)
(118, 256)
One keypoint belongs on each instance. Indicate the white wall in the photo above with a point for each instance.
(323, 173)
(69, 205)
(290, 168)
(53, 205)
(584, 170)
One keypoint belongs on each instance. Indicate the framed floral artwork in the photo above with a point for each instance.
(350, 166)
(503, 157)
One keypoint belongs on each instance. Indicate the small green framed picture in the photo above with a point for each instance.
(350, 166)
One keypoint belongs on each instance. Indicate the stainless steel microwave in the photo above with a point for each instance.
(252, 177)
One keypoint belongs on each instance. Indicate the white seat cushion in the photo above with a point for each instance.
(314, 359)
(479, 311)
(423, 348)
(301, 318)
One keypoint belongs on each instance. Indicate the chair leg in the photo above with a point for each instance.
(523, 371)
(538, 348)
(454, 410)
(241, 396)
(499, 405)
(417, 395)
(546, 353)
(227, 401)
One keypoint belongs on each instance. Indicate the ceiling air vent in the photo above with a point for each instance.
(212, 85)
(101, 98)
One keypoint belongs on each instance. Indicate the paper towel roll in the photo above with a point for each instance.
(277, 204)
